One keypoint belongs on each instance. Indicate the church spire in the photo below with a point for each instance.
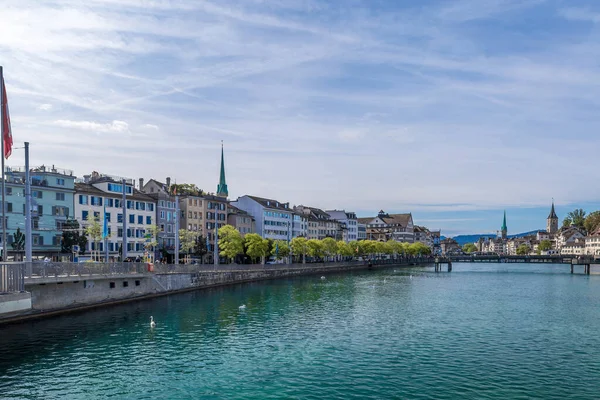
(504, 229)
(552, 212)
(222, 187)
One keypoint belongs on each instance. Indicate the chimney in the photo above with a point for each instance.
(141, 183)
(168, 183)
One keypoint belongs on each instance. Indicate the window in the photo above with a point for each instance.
(189, 215)
(9, 207)
(38, 240)
(56, 240)
(132, 218)
(84, 215)
(107, 216)
(162, 214)
(129, 205)
(162, 227)
(118, 203)
(60, 181)
(140, 219)
(169, 230)
(96, 201)
(148, 220)
(120, 218)
(120, 232)
(168, 216)
(40, 210)
(60, 225)
(150, 207)
(37, 194)
(83, 199)
(60, 196)
(8, 191)
(109, 202)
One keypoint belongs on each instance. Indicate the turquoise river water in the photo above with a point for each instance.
(483, 331)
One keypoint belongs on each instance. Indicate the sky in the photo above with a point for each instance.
(451, 110)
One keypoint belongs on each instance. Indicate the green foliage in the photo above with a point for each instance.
(576, 218)
(93, 228)
(200, 248)
(545, 245)
(280, 249)
(18, 243)
(187, 240)
(469, 248)
(315, 248)
(523, 250)
(153, 231)
(231, 242)
(71, 236)
(592, 222)
(299, 247)
(329, 247)
(418, 249)
(345, 249)
(186, 189)
(256, 246)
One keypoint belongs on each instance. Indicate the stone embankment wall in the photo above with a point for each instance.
(52, 295)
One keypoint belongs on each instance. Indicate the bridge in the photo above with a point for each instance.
(585, 261)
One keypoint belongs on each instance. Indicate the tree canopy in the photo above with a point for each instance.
(523, 250)
(256, 246)
(592, 222)
(576, 218)
(469, 248)
(280, 249)
(71, 236)
(230, 242)
(545, 245)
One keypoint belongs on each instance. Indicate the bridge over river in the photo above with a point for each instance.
(585, 261)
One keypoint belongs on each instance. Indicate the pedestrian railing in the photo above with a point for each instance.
(12, 277)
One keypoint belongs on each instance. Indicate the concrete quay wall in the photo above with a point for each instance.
(55, 295)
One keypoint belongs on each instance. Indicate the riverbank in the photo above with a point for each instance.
(56, 295)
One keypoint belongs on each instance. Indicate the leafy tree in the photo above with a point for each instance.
(355, 247)
(200, 248)
(575, 217)
(418, 249)
(329, 247)
(545, 245)
(315, 248)
(187, 240)
(71, 236)
(592, 222)
(345, 249)
(186, 189)
(523, 250)
(18, 243)
(280, 250)
(469, 248)
(231, 242)
(94, 230)
(299, 247)
(256, 247)
(152, 238)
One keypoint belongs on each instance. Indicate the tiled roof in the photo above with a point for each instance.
(90, 189)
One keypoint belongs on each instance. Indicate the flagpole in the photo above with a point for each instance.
(105, 234)
(216, 254)
(2, 116)
(124, 245)
(176, 228)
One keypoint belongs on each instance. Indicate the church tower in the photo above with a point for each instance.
(552, 221)
(504, 229)
(222, 187)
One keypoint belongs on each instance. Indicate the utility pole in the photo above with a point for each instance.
(28, 224)
(124, 249)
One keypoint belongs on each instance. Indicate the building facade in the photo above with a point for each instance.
(166, 215)
(361, 231)
(202, 214)
(241, 220)
(384, 227)
(97, 194)
(52, 191)
(552, 221)
(319, 223)
(348, 224)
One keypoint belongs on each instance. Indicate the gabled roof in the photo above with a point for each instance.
(270, 203)
(90, 189)
(397, 219)
(365, 220)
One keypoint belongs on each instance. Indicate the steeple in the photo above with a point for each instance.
(504, 229)
(552, 221)
(222, 187)
(552, 212)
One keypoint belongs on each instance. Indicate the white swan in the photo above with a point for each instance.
(411, 277)
(384, 280)
(323, 278)
(152, 323)
(242, 307)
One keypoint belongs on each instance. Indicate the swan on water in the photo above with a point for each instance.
(152, 323)
(242, 307)
(323, 278)
(411, 277)
(384, 280)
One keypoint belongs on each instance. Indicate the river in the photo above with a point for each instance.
(483, 331)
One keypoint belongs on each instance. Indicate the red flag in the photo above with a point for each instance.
(8, 142)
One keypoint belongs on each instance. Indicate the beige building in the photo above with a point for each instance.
(576, 248)
(423, 235)
(567, 236)
(202, 213)
(241, 220)
(384, 227)
(319, 224)
(592, 243)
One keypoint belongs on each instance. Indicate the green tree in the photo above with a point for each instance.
(94, 231)
(231, 243)
(71, 236)
(545, 245)
(315, 248)
(186, 189)
(280, 249)
(419, 249)
(592, 222)
(355, 247)
(329, 247)
(345, 249)
(256, 247)
(151, 238)
(575, 217)
(187, 240)
(18, 243)
(469, 248)
(200, 248)
(523, 250)
(299, 247)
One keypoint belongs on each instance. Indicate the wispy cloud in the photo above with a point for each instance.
(114, 126)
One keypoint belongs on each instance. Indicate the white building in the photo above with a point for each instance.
(274, 219)
(362, 231)
(348, 224)
(567, 236)
(592, 243)
(576, 248)
(100, 192)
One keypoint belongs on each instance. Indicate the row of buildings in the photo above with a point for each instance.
(131, 208)
(567, 240)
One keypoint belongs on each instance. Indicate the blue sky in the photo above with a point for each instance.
(451, 110)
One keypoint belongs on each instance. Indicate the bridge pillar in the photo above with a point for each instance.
(588, 268)
(571, 267)
(449, 266)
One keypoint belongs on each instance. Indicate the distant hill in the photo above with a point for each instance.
(464, 239)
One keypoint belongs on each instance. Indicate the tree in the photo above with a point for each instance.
(18, 243)
(329, 246)
(186, 189)
(299, 247)
(152, 238)
(71, 236)
(419, 249)
(231, 242)
(280, 250)
(575, 217)
(94, 230)
(200, 248)
(187, 240)
(315, 248)
(545, 245)
(345, 249)
(523, 250)
(592, 222)
(469, 248)
(256, 247)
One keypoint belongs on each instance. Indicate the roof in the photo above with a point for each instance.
(365, 220)
(552, 214)
(90, 189)
(392, 219)
(271, 203)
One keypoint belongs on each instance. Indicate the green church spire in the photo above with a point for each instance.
(222, 188)
(504, 222)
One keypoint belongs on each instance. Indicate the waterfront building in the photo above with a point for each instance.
(436, 241)
(513, 244)
(52, 191)
(449, 246)
(348, 224)
(567, 236)
(98, 192)
(361, 230)
(202, 213)
(544, 235)
(384, 227)
(165, 215)
(592, 243)
(552, 221)
(319, 224)
(274, 219)
(423, 235)
(575, 248)
(241, 220)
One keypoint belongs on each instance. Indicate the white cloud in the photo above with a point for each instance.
(114, 126)
(151, 126)
(45, 107)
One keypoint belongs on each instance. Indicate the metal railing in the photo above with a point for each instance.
(66, 269)
(12, 277)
